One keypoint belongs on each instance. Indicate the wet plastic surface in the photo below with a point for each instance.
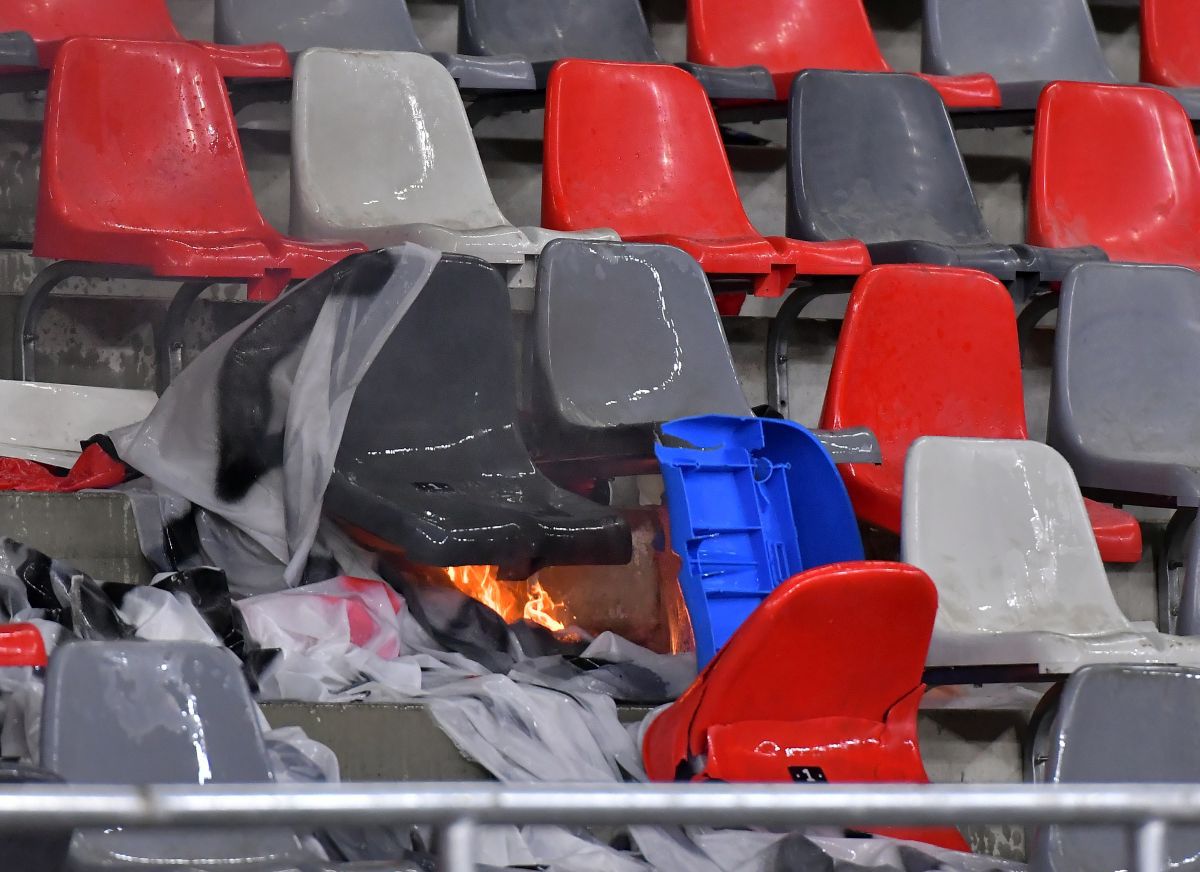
(382, 151)
(1116, 167)
(17, 49)
(432, 461)
(654, 169)
(812, 688)
(51, 22)
(1000, 527)
(927, 351)
(787, 36)
(1170, 34)
(364, 25)
(752, 502)
(1121, 725)
(21, 645)
(153, 175)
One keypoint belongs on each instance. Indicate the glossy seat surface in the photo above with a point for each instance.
(1115, 167)
(930, 351)
(1001, 528)
(153, 175)
(549, 30)
(51, 22)
(382, 151)
(615, 156)
(1121, 725)
(1170, 34)
(811, 687)
(787, 36)
(432, 461)
(21, 645)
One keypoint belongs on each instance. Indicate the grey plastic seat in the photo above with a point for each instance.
(17, 49)
(1024, 44)
(1122, 410)
(1121, 725)
(382, 152)
(159, 713)
(368, 25)
(546, 31)
(1001, 528)
(872, 156)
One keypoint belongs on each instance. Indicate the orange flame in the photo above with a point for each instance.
(513, 601)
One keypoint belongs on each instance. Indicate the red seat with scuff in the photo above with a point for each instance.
(820, 683)
(1115, 166)
(1170, 34)
(788, 36)
(21, 645)
(933, 351)
(141, 165)
(636, 147)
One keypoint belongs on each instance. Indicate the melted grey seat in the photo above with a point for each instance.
(1024, 45)
(17, 49)
(872, 156)
(546, 31)
(365, 25)
(159, 713)
(1121, 724)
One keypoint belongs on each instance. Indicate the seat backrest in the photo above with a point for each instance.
(926, 351)
(1126, 334)
(50, 21)
(150, 713)
(21, 645)
(1014, 40)
(381, 139)
(546, 30)
(1115, 167)
(1121, 724)
(369, 25)
(1001, 528)
(636, 147)
(872, 156)
(676, 362)
(140, 139)
(783, 35)
(1170, 33)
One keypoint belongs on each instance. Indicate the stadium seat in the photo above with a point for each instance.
(17, 50)
(1116, 167)
(1025, 44)
(432, 461)
(1000, 527)
(873, 157)
(1121, 725)
(752, 502)
(813, 687)
(1120, 411)
(365, 25)
(787, 36)
(142, 177)
(927, 351)
(21, 645)
(159, 713)
(382, 152)
(1170, 34)
(546, 31)
(32, 850)
(636, 147)
(52, 22)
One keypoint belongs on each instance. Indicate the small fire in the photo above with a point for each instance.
(513, 601)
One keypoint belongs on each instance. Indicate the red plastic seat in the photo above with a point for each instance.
(21, 645)
(1170, 34)
(141, 165)
(820, 683)
(1117, 167)
(53, 22)
(929, 351)
(787, 36)
(636, 147)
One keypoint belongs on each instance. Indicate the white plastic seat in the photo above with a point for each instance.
(382, 152)
(1001, 528)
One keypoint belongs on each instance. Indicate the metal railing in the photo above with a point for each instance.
(459, 809)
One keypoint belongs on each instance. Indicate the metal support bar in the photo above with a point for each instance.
(778, 340)
(1035, 310)
(457, 847)
(1150, 846)
(170, 339)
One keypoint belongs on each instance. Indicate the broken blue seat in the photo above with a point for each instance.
(364, 25)
(546, 31)
(872, 156)
(752, 502)
(17, 49)
(1024, 44)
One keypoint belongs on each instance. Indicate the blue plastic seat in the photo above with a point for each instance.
(752, 502)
